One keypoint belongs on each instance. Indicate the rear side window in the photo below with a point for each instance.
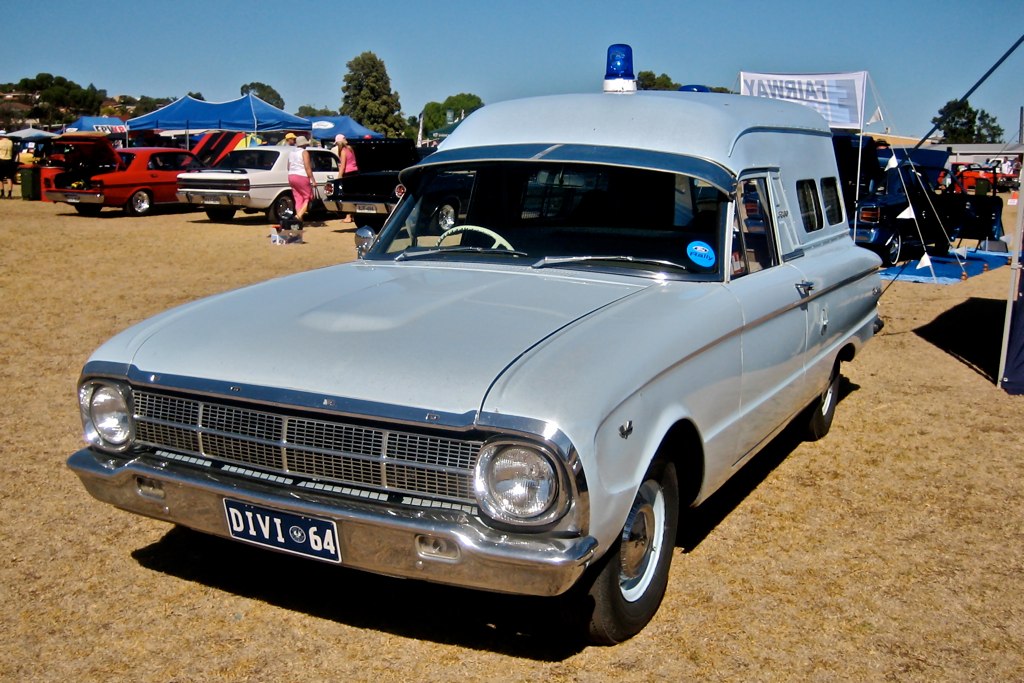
(833, 203)
(810, 208)
(255, 159)
(323, 161)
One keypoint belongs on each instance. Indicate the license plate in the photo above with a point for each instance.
(366, 208)
(71, 199)
(295, 534)
(211, 200)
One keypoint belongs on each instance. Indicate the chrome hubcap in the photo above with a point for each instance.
(826, 400)
(641, 541)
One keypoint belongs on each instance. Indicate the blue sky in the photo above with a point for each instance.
(919, 55)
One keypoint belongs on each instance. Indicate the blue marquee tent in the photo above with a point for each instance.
(96, 124)
(326, 127)
(247, 114)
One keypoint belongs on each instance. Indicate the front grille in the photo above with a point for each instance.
(335, 452)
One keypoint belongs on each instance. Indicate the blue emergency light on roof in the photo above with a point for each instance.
(618, 76)
(694, 88)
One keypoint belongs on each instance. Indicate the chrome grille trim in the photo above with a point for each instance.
(337, 453)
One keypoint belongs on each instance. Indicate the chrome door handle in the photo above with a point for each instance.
(804, 288)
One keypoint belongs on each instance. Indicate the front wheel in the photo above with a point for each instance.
(139, 204)
(630, 580)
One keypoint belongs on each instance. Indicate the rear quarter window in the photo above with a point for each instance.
(810, 207)
(833, 201)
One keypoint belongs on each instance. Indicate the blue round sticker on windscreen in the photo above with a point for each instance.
(701, 254)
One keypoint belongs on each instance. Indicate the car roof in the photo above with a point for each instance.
(704, 125)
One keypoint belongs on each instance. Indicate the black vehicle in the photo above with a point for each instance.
(374, 191)
(902, 209)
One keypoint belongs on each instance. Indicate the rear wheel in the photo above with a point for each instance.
(821, 413)
(629, 581)
(140, 203)
(220, 215)
(892, 250)
(280, 204)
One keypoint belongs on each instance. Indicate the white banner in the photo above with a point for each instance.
(839, 97)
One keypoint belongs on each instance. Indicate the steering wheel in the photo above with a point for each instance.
(499, 241)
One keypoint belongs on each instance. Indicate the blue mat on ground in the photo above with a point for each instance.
(949, 270)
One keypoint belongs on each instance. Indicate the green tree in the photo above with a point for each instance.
(146, 104)
(988, 129)
(435, 114)
(368, 98)
(196, 96)
(960, 122)
(646, 80)
(307, 110)
(264, 92)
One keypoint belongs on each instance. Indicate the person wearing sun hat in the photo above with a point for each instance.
(300, 173)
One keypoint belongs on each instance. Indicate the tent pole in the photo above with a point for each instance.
(1014, 289)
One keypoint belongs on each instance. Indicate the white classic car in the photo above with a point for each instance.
(586, 312)
(252, 179)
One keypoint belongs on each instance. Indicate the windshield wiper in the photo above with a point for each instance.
(406, 255)
(554, 261)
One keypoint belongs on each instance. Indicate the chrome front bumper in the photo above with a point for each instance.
(443, 546)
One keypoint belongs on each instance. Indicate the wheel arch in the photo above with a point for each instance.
(683, 447)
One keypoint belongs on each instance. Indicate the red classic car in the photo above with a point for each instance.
(96, 174)
(969, 174)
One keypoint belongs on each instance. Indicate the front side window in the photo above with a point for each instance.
(172, 161)
(561, 214)
(753, 236)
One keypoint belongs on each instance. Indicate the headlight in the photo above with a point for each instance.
(517, 483)
(106, 415)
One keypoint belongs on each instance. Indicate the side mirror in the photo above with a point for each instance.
(364, 240)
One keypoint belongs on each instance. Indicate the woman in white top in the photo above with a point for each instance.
(300, 173)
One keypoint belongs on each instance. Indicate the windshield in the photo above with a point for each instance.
(560, 214)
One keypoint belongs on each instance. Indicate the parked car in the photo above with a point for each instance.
(913, 209)
(967, 176)
(253, 179)
(373, 192)
(96, 174)
(634, 294)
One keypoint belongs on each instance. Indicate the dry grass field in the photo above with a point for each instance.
(891, 550)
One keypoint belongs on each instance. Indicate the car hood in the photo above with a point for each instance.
(426, 336)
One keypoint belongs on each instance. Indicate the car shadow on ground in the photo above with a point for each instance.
(542, 629)
(514, 625)
(971, 332)
(108, 212)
